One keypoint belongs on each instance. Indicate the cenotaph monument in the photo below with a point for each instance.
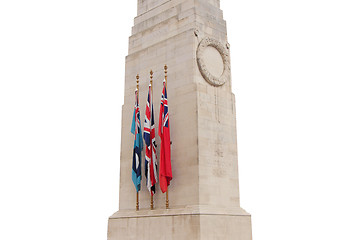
(190, 37)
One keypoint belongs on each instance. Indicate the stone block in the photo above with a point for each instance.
(191, 222)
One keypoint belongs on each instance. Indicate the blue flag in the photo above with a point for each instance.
(138, 144)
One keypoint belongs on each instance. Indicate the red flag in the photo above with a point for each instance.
(165, 151)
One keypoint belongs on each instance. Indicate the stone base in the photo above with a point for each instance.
(190, 223)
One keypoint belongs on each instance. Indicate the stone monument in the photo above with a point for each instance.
(189, 36)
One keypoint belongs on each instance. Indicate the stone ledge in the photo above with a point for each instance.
(188, 210)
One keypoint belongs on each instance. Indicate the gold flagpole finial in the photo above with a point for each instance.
(151, 80)
(165, 69)
(137, 81)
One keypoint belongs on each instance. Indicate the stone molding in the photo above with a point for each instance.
(186, 210)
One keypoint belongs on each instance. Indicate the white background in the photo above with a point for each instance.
(296, 73)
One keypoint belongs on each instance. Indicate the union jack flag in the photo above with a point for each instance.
(138, 144)
(165, 151)
(149, 136)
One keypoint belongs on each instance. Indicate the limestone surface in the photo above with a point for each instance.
(204, 192)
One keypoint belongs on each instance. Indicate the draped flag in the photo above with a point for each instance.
(149, 136)
(138, 144)
(165, 152)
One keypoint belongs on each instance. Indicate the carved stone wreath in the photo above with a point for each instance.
(224, 52)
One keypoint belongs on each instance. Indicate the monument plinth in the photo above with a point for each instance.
(190, 37)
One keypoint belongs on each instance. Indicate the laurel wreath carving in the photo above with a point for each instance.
(224, 52)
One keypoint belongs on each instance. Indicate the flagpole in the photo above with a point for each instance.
(137, 201)
(151, 195)
(137, 192)
(167, 191)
